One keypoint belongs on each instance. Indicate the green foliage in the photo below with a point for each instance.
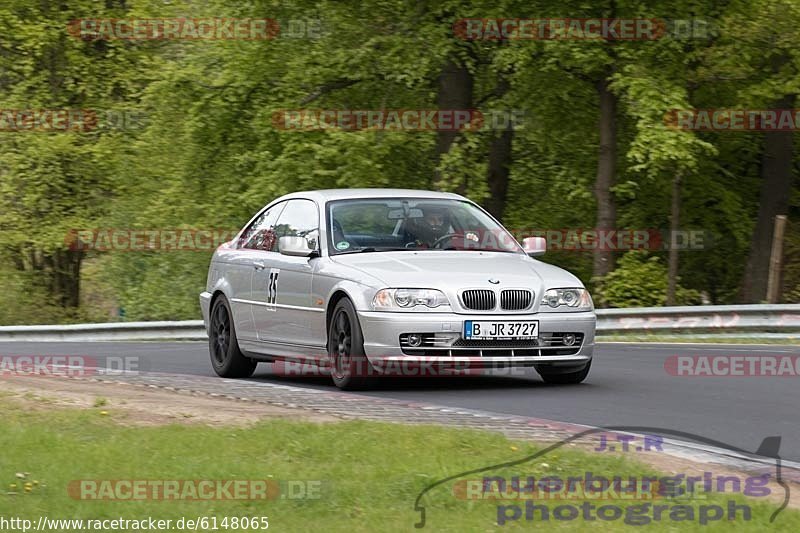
(793, 295)
(640, 281)
(158, 286)
(207, 155)
(21, 297)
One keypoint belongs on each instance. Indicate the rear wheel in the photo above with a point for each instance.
(565, 378)
(226, 358)
(350, 368)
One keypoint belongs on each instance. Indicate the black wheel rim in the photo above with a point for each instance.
(342, 343)
(220, 334)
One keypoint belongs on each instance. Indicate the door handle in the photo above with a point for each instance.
(258, 265)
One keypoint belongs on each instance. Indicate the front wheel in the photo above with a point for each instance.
(226, 358)
(350, 368)
(565, 378)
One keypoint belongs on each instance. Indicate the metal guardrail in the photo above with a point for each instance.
(707, 320)
(717, 319)
(115, 331)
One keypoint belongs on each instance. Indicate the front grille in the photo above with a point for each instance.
(515, 299)
(479, 299)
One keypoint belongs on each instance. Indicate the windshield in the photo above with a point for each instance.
(377, 225)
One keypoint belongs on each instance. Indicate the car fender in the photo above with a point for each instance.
(361, 295)
(216, 283)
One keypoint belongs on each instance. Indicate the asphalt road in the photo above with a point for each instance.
(628, 385)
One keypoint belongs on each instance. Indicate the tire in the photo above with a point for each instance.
(226, 358)
(350, 368)
(566, 378)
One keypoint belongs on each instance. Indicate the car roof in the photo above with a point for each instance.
(325, 195)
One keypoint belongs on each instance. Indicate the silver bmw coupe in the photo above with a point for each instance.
(364, 283)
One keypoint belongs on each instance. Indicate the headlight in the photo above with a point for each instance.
(576, 299)
(407, 299)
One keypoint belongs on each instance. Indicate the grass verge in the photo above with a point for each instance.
(366, 475)
(697, 339)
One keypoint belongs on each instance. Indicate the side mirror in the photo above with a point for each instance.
(296, 246)
(534, 246)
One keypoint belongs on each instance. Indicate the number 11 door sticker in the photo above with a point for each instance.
(272, 289)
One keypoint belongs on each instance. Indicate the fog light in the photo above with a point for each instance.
(414, 340)
(568, 339)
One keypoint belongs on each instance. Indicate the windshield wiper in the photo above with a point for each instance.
(471, 249)
(368, 249)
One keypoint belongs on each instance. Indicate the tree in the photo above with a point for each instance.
(58, 180)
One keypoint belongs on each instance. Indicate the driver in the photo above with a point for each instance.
(434, 224)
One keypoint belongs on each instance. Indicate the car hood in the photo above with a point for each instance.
(458, 269)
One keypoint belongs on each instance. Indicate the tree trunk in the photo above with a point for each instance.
(499, 171)
(776, 186)
(454, 92)
(500, 159)
(606, 174)
(61, 271)
(674, 226)
(66, 276)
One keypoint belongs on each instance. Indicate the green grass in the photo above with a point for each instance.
(689, 338)
(370, 473)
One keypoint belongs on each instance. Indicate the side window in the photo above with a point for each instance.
(261, 233)
(299, 219)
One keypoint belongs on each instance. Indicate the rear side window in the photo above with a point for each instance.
(261, 233)
(299, 219)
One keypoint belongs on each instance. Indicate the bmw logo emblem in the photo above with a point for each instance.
(494, 281)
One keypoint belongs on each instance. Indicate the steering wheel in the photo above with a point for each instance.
(451, 236)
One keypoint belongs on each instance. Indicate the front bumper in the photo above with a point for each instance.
(383, 330)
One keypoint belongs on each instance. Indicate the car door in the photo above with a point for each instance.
(253, 252)
(285, 284)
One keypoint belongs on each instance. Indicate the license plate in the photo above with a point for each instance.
(507, 329)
